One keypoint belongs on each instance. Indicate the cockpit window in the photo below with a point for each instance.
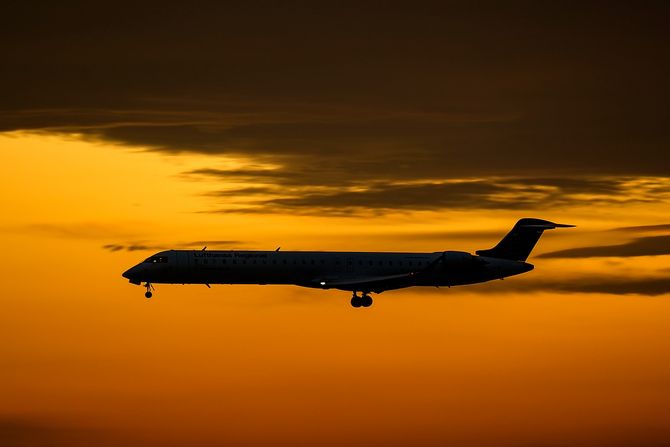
(157, 260)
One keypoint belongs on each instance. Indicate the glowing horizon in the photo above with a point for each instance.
(96, 334)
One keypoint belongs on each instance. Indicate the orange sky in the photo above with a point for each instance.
(85, 357)
(129, 129)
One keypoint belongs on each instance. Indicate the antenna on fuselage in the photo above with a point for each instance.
(204, 248)
(278, 248)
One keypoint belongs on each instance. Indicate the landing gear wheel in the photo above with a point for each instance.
(149, 288)
(366, 301)
(356, 301)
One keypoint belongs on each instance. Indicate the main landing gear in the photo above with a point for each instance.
(364, 300)
(149, 288)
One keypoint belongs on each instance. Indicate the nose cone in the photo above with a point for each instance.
(132, 275)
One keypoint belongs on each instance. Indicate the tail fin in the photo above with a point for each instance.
(521, 240)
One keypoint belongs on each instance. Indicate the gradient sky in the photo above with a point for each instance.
(130, 128)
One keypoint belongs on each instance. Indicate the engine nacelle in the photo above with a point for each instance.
(454, 258)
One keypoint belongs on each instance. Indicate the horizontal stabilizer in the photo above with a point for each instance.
(549, 226)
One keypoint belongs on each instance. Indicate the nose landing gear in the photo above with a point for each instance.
(149, 288)
(364, 300)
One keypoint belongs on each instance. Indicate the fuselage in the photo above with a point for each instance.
(363, 272)
(353, 271)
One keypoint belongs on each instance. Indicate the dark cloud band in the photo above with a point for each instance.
(440, 91)
(643, 246)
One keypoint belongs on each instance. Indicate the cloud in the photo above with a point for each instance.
(602, 284)
(605, 285)
(358, 108)
(114, 247)
(132, 247)
(29, 431)
(70, 230)
(99, 231)
(356, 92)
(651, 286)
(208, 243)
(139, 246)
(316, 194)
(631, 286)
(643, 246)
(644, 228)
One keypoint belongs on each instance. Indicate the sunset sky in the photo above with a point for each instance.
(126, 129)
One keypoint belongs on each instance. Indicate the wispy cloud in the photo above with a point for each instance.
(131, 247)
(140, 246)
(71, 230)
(644, 228)
(643, 246)
(318, 195)
(602, 284)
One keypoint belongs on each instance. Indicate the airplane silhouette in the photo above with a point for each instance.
(364, 272)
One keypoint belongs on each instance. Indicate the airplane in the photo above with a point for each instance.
(364, 272)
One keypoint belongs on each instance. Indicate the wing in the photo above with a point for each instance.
(367, 283)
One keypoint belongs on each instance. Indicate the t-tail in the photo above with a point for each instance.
(521, 240)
